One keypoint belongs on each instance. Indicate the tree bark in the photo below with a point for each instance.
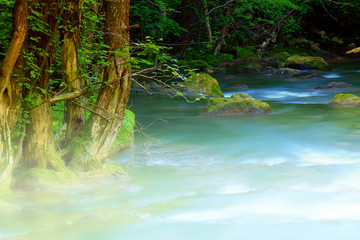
(39, 145)
(207, 21)
(221, 42)
(114, 94)
(186, 18)
(10, 91)
(74, 116)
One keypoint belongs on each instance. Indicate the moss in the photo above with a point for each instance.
(307, 62)
(106, 170)
(194, 63)
(345, 100)
(202, 84)
(5, 192)
(125, 136)
(38, 177)
(241, 104)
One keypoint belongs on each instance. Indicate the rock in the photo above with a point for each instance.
(308, 62)
(336, 85)
(345, 100)
(240, 87)
(44, 178)
(238, 104)
(314, 75)
(289, 72)
(251, 68)
(355, 51)
(199, 84)
(276, 61)
(5, 192)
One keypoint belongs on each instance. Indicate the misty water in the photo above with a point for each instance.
(292, 174)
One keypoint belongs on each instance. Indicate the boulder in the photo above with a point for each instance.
(336, 85)
(251, 68)
(345, 100)
(239, 87)
(238, 104)
(307, 62)
(288, 72)
(200, 84)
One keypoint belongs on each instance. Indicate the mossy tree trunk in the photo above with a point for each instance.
(113, 96)
(39, 146)
(10, 90)
(74, 115)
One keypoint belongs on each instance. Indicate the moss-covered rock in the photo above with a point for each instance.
(39, 177)
(336, 85)
(105, 171)
(241, 104)
(5, 192)
(345, 100)
(287, 72)
(306, 62)
(251, 67)
(200, 84)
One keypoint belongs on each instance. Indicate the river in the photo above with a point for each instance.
(292, 174)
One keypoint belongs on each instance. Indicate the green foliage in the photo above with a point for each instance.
(153, 18)
(244, 52)
(5, 24)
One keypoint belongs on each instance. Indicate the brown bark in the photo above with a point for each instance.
(112, 100)
(221, 42)
(39, 146)
(74, 115)
(186, 19)
(10, 91)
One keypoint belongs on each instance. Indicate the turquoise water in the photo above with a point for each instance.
(292, 174)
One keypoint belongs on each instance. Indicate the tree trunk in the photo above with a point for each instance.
(114, 94)
(10, 91)
(39, 146)
(74, 115)
(186, 18)
(224, 31)
(207, 21)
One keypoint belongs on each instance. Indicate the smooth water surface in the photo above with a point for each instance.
(292, 174)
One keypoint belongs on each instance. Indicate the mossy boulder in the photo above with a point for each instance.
(287, 72)
(238, 104)
(345, 100)
(200, 84)
(5, 192)
(40, 177)
(251, 67)
(277, 60)
(306, 62)
(103, 172)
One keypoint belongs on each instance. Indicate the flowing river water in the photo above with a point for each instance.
(292, 174)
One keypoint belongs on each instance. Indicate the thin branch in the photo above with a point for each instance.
(69, 96)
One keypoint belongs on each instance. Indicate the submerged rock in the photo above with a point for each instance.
(288, 72)
(241, 104)
(307, 62)
(200, 84)
(336, 85)
(345, 100)
(239, 87)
